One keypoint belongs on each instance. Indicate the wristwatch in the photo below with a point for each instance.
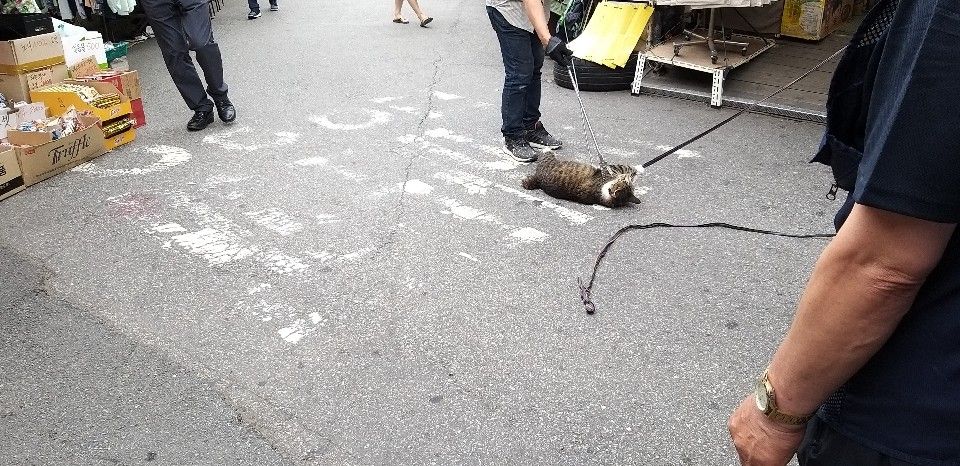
(767, 403)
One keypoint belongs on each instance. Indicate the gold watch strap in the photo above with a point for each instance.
(774, 414)
(788, 419)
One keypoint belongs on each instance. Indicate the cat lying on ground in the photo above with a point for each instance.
(583, 183)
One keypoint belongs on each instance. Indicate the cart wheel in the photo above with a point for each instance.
(676, 50)
(713, 59)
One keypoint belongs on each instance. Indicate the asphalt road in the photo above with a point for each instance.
(351, 273)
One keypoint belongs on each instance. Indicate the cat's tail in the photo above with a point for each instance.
(530, 183)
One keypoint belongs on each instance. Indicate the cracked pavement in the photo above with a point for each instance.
(352, 274)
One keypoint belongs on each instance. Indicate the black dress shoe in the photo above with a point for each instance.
(226, 111)
(201, 119)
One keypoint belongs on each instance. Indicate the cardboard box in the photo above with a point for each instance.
(127, 82)
(17, 87)
(76, 49)
(125, 137)
(31, 53)
(130, 84)
(13, 117)
(11, 178)
(85, 67)
(814, 19)
(59, 102)
(138, 113)
(41, 157)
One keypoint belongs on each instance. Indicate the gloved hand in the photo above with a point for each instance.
(558, 51)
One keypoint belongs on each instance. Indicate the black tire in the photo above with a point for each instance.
(596, 78)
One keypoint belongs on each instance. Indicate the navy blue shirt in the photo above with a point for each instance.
(901, 117)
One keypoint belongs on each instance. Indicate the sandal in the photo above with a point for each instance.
(425, 22)
(400, 21)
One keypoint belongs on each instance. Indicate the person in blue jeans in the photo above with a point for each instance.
(521, 27)
(255, 8)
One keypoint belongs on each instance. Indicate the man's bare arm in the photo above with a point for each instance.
(863, 284)
(538, 18)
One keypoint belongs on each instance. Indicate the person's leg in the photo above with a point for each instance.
(531, 114)
(537, 135)
(518, 65)
(164, 17)
(397, 5)
(415, 6)
(199, 31)
(254, 5)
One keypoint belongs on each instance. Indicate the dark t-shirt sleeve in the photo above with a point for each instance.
(911, 162)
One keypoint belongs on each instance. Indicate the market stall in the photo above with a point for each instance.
(729, 52)
(66, 97)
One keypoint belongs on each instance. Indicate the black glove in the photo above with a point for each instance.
(558, 51)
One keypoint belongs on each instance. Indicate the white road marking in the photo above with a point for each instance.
(443, 133)
(377, 117)
(383, 100)
(327, 218)
(215, 246)
(446, 96)
(530, 235)
(408, 110)
(311, 162)
(276, 221)
(417, 187)
(456, 208)
(216, 239)
(468, 257)
(682, 153)
(573, 216)
(170, 156)
(472, 183)
(259, 288)
(226, 139)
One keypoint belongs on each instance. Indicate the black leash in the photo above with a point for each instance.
(741, 112)
(586, 291)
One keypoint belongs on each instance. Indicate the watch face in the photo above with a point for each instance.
(763, 401)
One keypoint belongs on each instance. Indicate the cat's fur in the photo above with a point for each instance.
(583, 183)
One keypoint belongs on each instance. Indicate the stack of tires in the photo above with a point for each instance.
(597, 78)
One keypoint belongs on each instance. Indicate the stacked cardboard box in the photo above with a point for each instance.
(35, 69)
(11, 177)
(41, 156)
(814, 19)
(61, 98)
(30, 63)
(128, 82)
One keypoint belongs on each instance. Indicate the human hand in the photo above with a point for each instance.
(558, 51)
(760, 441)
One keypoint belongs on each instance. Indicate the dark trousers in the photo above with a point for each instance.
(181, 26)
(522, 60)
(255, 5)
(824, 446)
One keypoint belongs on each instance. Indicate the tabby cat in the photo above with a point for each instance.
(580, 182)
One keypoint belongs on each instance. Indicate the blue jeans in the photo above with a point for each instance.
(255, 5)
(522, 60)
